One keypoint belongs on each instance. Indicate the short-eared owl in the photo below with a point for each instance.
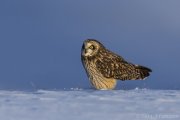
(104, 67)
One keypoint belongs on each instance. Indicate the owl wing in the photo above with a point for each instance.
(116, 67)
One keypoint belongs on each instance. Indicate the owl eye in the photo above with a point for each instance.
(92, 47)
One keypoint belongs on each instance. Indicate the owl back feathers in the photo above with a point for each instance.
(114, 66)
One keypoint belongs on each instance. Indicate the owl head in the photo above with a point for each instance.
(91, 47)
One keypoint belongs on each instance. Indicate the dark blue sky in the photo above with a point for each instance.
(40, 40)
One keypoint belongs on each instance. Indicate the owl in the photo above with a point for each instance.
(104, 67)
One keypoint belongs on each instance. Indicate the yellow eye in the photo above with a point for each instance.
(92, 47)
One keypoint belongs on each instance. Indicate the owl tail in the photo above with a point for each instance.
(143, 71)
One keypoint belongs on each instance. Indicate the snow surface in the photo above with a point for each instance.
(138, 104)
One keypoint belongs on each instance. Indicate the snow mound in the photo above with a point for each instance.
(82, 104)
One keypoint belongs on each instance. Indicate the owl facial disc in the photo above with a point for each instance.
(89, 48)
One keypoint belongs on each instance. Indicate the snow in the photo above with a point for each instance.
(79, 104)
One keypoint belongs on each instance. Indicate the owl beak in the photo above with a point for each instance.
(83, 50)
(83, 47)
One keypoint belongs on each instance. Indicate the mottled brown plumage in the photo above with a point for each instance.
(104, 67)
